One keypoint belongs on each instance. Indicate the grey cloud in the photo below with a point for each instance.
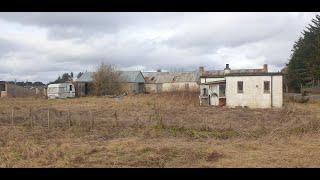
(80, 41)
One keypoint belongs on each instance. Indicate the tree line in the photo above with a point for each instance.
(303, 69)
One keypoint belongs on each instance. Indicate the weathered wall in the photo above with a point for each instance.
(211, 89)
(253, 92)
(277, 87)
(80, 89)
(130, 87)
(152, 88)
(180, 86)
(171, 87)
(206, 80)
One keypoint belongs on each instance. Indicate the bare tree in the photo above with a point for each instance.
(106, 80)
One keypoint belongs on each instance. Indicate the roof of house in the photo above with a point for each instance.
(234, 72)
(127, 76)
(255, 74)
(170, 77)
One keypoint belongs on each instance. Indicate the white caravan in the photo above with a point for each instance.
(61, 90)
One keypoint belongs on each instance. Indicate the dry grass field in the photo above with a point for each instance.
(155, 130)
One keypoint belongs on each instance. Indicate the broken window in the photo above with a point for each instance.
(240, 86)
(266, 86)
(222, 90)
(205, 92)
(70, 88)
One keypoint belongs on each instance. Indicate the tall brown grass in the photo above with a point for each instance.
(154, 130)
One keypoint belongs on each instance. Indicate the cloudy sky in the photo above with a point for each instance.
(41, 46)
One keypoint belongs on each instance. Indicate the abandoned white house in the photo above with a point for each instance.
(156, 82)
(133, 82)
(254, 88)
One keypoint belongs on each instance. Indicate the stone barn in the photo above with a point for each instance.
(156, 82)
(254, 88)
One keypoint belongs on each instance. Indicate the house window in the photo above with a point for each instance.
(240, 86)
(70, 88)
(222, 90)
(205, 92)
(266, 86)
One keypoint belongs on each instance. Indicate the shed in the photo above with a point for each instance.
(133, 82)
(171, 81)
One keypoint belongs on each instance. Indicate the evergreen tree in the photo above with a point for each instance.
(304, 63)
(79, 74)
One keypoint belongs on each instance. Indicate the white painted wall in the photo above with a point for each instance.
(277, 91)
(253, 94)
(206, 80)
(211, 89)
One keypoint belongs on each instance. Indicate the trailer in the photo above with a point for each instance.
(61, 91)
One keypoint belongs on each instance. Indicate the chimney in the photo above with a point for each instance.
(227, 69)
(158, 70)
(265, 67)
(201, 70)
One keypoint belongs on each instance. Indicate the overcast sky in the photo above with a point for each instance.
(41, 46)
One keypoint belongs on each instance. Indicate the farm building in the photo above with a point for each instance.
(133, 82)
(254, 88)
(12, 90)
(171, 81)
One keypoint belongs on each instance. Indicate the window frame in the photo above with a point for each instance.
(238, 90)
(205, 91)
(264, 87)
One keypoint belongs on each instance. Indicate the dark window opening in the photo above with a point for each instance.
(266, 86)
(205, 93)
(70, 88)
(240, 86)
(222, 90)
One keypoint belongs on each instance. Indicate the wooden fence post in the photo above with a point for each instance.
(116, 118)
(30, 116)
(92, 120)
(69, 118)
(12, 116)
(48, 118)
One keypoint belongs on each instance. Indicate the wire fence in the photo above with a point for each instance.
(52, 118)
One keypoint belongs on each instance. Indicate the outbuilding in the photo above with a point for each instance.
(132, 81)
(156, 82)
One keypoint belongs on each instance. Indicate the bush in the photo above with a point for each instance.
(106, 81)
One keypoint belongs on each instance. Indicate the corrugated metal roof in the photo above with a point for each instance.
(132, 76)
(170, 77)
(127, 76)
(85, 77)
